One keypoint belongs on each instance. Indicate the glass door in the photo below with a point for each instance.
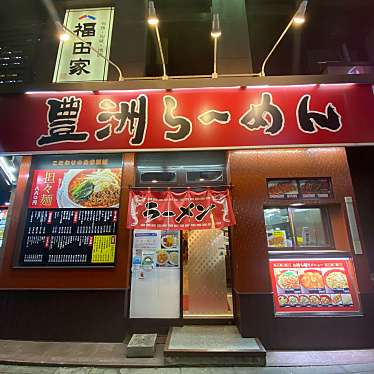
(206, 274)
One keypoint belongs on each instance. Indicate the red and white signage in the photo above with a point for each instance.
(186, 210)
(187, 118)
(313, 286)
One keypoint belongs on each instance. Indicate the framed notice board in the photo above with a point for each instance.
(72, 211)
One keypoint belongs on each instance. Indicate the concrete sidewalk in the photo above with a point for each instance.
(106, 358)
(335, 369)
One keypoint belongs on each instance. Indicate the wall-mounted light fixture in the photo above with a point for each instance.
(153, 21)
(215, 34)
(298, 19)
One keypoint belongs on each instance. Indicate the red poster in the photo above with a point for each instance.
(186, 210)
(232, 117)
(313, 286)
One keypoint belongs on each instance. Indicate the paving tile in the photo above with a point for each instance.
(287, 358)
(104, 371)
(73, 370)
(20, 369)
(332, 369)
(261, 370)
(150, 371)
(207, 370)
(355, 368)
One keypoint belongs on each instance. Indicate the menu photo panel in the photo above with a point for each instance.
(314, 286)
(73, 210)
(300, 188)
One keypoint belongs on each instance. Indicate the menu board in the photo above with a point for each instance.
(313, 286)
(309, 188)
(73, 210)
(3, 218)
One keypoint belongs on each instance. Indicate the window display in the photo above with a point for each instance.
(297, 227)
(308, 224)
(278, 227)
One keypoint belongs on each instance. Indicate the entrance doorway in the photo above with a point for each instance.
(207, 291)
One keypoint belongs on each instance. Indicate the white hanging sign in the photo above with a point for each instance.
(76, 61)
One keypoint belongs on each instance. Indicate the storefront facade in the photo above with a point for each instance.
(292, 267)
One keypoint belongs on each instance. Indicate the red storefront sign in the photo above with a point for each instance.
(187, 118)
(310, 286)
(186, 210)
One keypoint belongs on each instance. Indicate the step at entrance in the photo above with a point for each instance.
(212, 345)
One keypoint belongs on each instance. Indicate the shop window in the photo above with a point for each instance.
(298, 227)
(158, 176)
(205, 176)
(180, 169)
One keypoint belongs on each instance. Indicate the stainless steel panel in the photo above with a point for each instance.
(206, 271)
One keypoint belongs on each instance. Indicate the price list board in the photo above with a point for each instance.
(72, 217)
(69, 237)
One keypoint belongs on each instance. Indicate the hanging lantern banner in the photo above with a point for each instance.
(186, 210)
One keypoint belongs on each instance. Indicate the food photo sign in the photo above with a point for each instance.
(73, 211)
(310, 188)
(314, 286)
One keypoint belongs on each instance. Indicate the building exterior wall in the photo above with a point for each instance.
(64, 304)
(93, 304)
(252, 288)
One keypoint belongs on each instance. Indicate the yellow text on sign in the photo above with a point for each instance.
(103, 250)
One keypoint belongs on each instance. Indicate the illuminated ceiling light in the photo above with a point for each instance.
(299, 16)
(201, 179)
(64, 36)
(216, 29)
(152, 16)
(215, 33)
(153, 21)
(154, 181)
